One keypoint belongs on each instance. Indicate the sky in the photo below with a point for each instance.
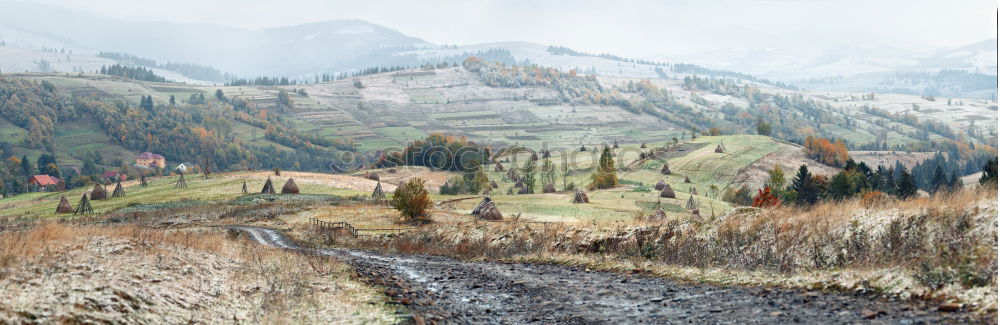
(638, 28)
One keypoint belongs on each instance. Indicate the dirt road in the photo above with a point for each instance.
(444, 289)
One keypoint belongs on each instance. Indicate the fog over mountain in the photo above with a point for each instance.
(305, 38)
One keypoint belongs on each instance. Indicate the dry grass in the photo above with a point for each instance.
(62, 273)
(942, 247)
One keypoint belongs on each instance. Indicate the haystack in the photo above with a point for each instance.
(694, 190)
(583, 149)
(498, 168)
(64, 206)
(667, 192)
(479, 207)
(687, 180)
(615, 146)
(692, 203)
(277, 171)
(378, 195)
(371, 175)
(720, 148)
(549, 188)
(268, 187)
(510, 191)
(98, 193)
(181, 183)
(119, 190)
(290, 187)
(642, 146)
(580, 197)
(666, 169)
(493, 184)
(244, 190)
(487, 210)
(523, 190)
(660, 184)
(142, 181)
(519, 183)
(658, 215)
(84, 206)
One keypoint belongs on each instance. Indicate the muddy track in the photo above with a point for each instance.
(451, 291)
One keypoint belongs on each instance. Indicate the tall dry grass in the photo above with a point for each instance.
(946, 239)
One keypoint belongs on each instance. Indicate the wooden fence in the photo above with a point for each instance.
(330, 225)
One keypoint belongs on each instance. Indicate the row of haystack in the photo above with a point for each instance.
(99, 192)
(289, 188)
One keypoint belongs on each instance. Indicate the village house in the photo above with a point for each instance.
(151, 160)
(44, 183)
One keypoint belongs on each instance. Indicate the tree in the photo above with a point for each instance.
(411, 199)
(548, 172)
(219, 95)
(905, 186)
(776, 179)
(765, 199)
(26, 166)
(605, 176)
(763, 128)
(989, 172)
(529, 175)
(940, 180)
(804, 186)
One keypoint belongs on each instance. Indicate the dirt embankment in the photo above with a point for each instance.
(443, 289)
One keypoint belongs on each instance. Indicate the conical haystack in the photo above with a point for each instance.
(84, 206)
(487, 210)
(244, 190)
(692, 204)
(580, 197)
(371, 175)
(694, 190)
(549, 188)
(268, 187)
(720, 148)
(64, 206)
(98, 193)
(290, 187)
(667, 192)
(615, 146)
(687, 180)
(510, 191)
(498, 168)
(660, 184)
(277, 171)
(658, 215)
(642, 146)
(493, 184)
(665, 170)
(519, 183)
(522, 191)
(119, 190)
(181, 183)
(142, 181)
(378, 196)
(479, 207)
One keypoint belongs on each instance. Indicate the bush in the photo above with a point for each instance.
(411, 199)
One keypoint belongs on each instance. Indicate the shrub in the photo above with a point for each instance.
(411, 199)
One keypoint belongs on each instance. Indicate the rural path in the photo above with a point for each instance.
(451, 291)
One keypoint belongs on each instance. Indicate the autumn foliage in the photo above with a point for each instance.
(820, 149)
(765, 199)
(411, 199)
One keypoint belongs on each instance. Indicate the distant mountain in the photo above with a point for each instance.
(295, 50)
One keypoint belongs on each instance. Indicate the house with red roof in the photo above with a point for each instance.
(151, 160)
(43, 182)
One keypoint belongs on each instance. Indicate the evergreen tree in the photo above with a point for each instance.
(529, 175)
(605, 176)
(805, 188)
(219, 95)
(905, 186)
(940, 180)
(26, 166)
(989, 172)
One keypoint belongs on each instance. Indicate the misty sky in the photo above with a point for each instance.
(631, 28)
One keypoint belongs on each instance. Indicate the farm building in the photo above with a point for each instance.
(43, 183)
(151, 160)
